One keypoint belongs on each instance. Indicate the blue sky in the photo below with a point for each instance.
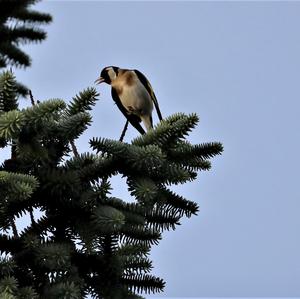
(237, 65)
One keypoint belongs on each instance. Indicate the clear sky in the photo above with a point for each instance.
(237, 65)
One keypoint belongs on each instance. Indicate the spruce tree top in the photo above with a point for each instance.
(19, 25)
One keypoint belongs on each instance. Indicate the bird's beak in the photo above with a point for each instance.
(99, 80)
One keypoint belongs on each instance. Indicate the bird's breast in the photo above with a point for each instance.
(135, 98)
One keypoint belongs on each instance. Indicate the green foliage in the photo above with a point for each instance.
(108, 219)
(143, 282)
(54, 257)
(8, 96)
(43, 111)
(73, 126)
(82, 102)
(169, 131)
(8, 286)
(11, 123)
(20, 186)
(14, 123)
(66, 290)
(87, 240)
(18, 25)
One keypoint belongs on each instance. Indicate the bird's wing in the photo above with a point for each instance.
(149, 88)
(132, 118)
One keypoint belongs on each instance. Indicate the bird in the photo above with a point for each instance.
(133, 95)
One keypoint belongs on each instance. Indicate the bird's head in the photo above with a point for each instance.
(108, 74)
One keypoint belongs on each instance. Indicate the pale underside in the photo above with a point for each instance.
(134, 97)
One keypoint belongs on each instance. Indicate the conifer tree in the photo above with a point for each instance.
(87, 241)
(19, 25)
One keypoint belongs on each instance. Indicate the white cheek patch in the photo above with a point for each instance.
(111, 73)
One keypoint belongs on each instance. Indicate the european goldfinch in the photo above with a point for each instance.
(133, 94)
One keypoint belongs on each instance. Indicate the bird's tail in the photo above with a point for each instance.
(147, 121)
(138, 127)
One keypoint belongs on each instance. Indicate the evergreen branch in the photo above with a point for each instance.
(91, 167)
(161, 218)
(26, 183)
(10, 8)
(131, 295)
(196, 164)
(14, 55)
(16, 207)
(3, 143)
(40, 227)
(9, 245)
(14, 228)
(73, 126)
(108, 146)
(146, 159)
(138, 250)
(60, 184)
(88, 262)
(4, 217)
(3, 61)
(108, 219)
(43, 110)
(12, 33)
(182, 205)
(21, 89)
(33, 151)
(54, 256)
(32, 16)
(65, 289)
(9, 91)
(144, 189)
(140, 235)
(31, 98)
(82, 102)
(8, 287)
(27, 293)
(8, 96)
(81, 161)
(31, 216)
(203, 151)
(208, 150)
(74, 148)
(159, 136)
(143, 283)
(168, 131)
(23, 34)
(133, 213)
(174, 174)
(11, 123)
(7, 266)
(137, 265)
